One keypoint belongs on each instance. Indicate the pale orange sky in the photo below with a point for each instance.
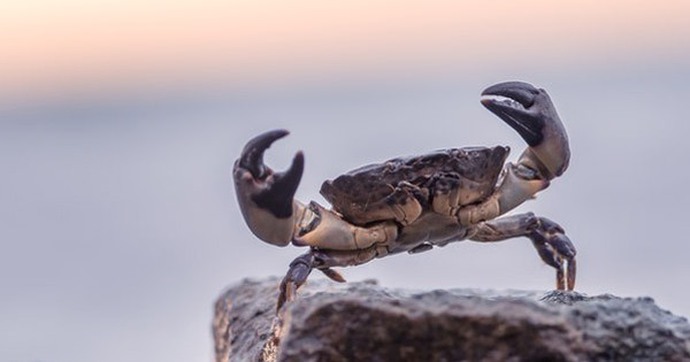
(83, 43)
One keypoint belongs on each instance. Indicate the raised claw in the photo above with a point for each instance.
(511, 101)
(531, 113)
(266, 197)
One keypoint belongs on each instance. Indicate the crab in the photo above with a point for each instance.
(414, 204)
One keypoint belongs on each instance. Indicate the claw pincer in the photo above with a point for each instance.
(266, 197)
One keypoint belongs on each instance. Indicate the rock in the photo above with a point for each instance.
(366, 322)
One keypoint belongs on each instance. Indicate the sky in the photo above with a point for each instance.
(120, 122)
(61, 46)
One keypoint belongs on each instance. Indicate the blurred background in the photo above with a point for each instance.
(120, 122)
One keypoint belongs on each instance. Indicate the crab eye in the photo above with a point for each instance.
(310, 219)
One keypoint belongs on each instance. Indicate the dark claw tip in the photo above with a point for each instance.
(287, 182)
(278, 197)
(252, 157)
(519, 91)
(512, 102)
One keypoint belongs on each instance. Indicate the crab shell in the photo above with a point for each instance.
(412, 191)
(367, 194)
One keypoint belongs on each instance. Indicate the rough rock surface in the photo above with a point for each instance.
(365, 322)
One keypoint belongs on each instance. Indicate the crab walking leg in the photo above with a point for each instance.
(323, 260)
(553, 246)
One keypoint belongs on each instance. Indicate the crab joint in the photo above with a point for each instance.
(471, 215)
(519, 184)
(325, 229)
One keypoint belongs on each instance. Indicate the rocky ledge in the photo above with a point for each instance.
(366, 322)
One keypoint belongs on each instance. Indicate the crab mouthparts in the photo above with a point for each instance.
(502, 100)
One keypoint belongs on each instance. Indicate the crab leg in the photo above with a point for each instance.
(323, 260)
(553, 246)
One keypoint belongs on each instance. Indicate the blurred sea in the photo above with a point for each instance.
(119, 226)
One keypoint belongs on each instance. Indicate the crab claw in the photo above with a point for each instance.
(531, 113)
(266, 197)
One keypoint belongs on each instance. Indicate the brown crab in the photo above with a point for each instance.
(413, 204)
